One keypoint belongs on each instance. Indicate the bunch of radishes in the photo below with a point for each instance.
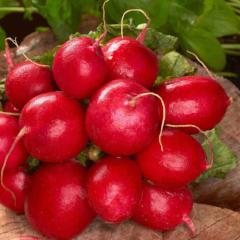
(145, 133)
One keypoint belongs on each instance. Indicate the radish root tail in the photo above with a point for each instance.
(210, 146)
(10, 114)
(188, 221)
(8, 55)
(14, 41)
(105, 29)
(142, 34)
(133, 102)
(203, 64)
(19, 136)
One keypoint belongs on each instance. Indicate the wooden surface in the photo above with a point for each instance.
(211, 222)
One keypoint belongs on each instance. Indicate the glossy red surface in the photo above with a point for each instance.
(114, 188)
(9, 129)
(128, 58)
(17, 181)
(79, 67)
(194, 100)
(181, 161)
(56, 203)
(118, 126)
(27, 80)
(163, 209)
(55, 127)
(9, 107)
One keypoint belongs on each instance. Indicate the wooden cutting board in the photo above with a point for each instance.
(212, 223)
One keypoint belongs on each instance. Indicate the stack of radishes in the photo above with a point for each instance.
(146, 168)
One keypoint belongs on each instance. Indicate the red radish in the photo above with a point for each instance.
(53, 127)
(114, 187)
(194, 100)
(181, 161)
(9, 107)
(9, 130)
(27, 80)
(17, 182)
(129, 58)
(79, 67)
(56, 203)
(119, 123)
(163, 209)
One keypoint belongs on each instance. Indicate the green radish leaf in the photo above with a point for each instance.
(92, 34)
(159, 41)
(6, 6)
(42, 29)
(224, 159)
(181, 16)
(206, 46)
(219, 19)
(2, 38)
(157, 10)
(174, 65)
(154, 39)
(64, 15)
(195, 6)
(28, 9)
(47, 57)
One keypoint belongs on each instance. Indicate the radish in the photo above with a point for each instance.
(17, 182)
(181, 161)
(9, 130)
(56, 203)
(119, 120)
(79, 67)
(9, 107)
(194, 100)
(27, 80)
(114, 187)
(163, 209)
(52, 127)
(127, 57)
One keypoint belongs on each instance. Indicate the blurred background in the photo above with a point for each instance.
(209, 28)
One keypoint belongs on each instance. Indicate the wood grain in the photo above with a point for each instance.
(211, 223)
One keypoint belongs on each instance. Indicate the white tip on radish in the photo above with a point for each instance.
(188, 221)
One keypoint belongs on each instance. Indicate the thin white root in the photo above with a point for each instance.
(163, 112)
(19, 136)
(105, 29)
(202, 63)
(142, 34)
(10, 114)
(14, 41)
